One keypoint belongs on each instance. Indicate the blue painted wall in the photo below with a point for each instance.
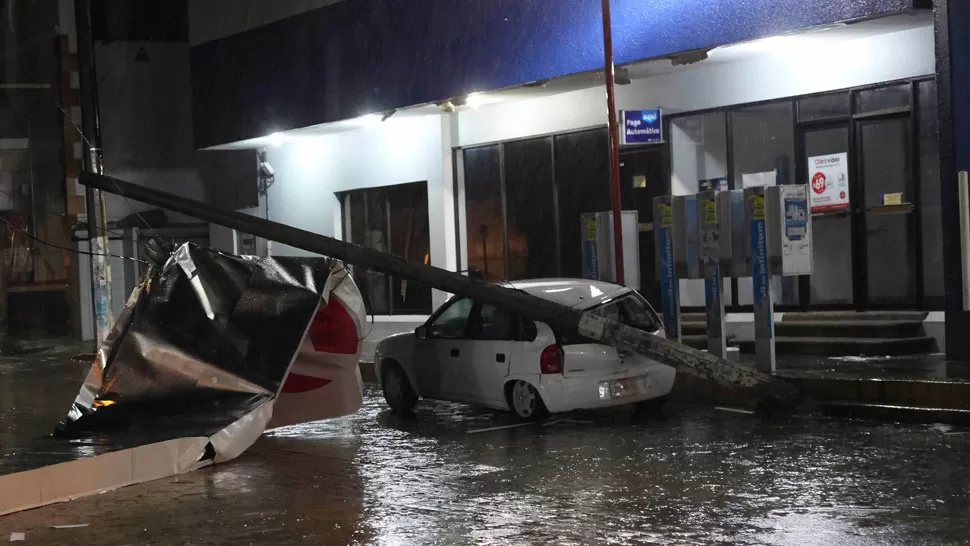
(362, 56)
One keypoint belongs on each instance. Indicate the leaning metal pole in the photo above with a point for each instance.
(94, 202)
(609, 70)
(761, 385)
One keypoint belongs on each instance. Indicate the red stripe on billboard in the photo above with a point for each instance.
(333, 330)
(296, 383)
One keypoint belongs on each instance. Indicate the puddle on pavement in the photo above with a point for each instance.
(697, 477)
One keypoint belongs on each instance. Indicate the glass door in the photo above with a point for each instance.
(889, 244)
(823, 152)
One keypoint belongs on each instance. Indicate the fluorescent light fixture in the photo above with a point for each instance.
(369, 120)
(275, 140)
(815, 43)
(474, 100)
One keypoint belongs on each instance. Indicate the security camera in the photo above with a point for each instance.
(266, 169)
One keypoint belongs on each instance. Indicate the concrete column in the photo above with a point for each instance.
(952, 21)
(449, 141)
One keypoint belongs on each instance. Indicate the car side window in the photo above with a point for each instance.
(492, 323)
(452, 323)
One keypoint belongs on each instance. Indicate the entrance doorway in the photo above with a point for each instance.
(865, 251)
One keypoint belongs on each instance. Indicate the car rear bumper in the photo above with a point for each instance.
(562, 394)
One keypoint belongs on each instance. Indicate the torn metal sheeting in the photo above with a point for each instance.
(204, 342)
(206, 345)
(210, 350)
(684, 358)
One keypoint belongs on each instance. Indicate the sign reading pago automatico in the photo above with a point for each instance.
(828, 177)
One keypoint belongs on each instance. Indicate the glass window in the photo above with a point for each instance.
(365, 225)
(885, 160)
(763, 139)
(831, 280)
(484, 211)
(355, 206)
(582, 185)
(494, 323)
(929, 195)
(375, 237)
(698, 152)
(890, 258)
(890, 252)
(390, 219)
(823, 107)
(410, 238)
(453, 321)
(698, 156)
(530, 209)
(882, 98)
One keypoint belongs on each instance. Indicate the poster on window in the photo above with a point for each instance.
(828, 177)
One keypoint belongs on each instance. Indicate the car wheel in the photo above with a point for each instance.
(525, 402)
(398, 392)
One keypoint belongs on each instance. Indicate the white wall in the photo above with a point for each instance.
(884, 57)
(146, 121)
(309, 171)
(816, 68)
(411, 148)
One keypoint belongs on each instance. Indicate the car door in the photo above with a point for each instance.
(445, 337)
(480, 377)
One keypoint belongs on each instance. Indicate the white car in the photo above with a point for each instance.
(480, 354)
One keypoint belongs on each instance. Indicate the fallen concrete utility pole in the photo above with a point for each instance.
(704, 365)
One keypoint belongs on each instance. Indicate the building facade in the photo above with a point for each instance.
(472, 135)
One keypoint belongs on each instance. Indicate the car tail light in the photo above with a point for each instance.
(551, 360)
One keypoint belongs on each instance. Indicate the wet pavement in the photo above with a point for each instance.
(697, 476)
(37, 388)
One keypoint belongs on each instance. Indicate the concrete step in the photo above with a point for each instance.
(851, 328)
(699, 341)
(832, 316)
(897, 414)
(843, 328)
(845, 346)
(867, 396)
(693, 328)
(949, 393)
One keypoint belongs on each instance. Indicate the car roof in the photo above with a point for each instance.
(576, 293)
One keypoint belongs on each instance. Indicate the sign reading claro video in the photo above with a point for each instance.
(641, 127)
(828, 178)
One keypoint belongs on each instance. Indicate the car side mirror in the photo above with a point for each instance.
(421, 332)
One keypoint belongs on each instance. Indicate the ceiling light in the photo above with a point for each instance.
(474, 100)
(275, 139)
(370, 120)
